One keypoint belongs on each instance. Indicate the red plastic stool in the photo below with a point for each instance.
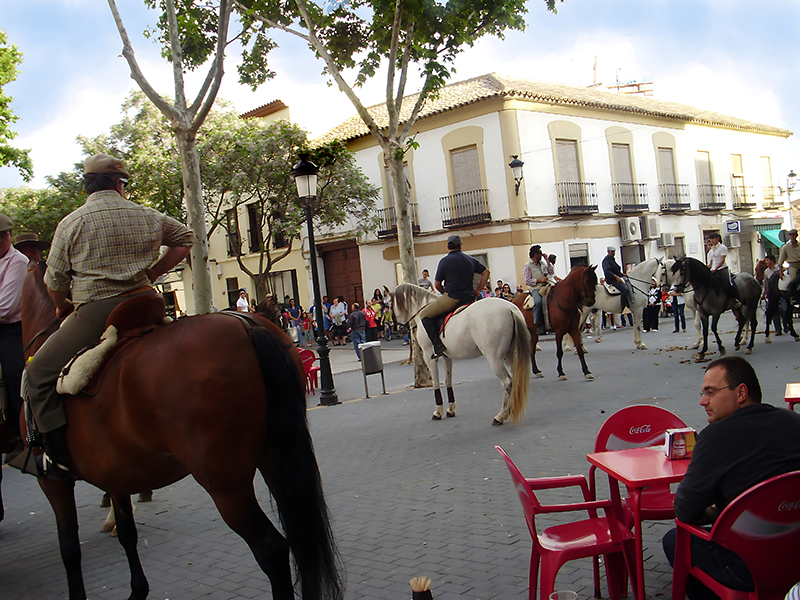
(792, 394)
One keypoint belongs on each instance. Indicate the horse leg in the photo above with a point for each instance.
(534, 331)
(576, 337)
(768, 317)
(240, 510)
(714, 325)
(448, 384)
(753, 321)
(61, 495)
(560, 355)
(498, 365)
(145, 496)
(128, 537)
(740, 323)
(637, 329)
(437, 398)
(704, 349)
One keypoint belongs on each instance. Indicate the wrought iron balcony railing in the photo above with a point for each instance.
(465, 208)
(388, 220)
(712, 197)
(630, 197)
(743, 197)
(576, 198)
(674, 197)
(772, 199)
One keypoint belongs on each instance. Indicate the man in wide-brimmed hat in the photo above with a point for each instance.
(104, 252)
(30, 246)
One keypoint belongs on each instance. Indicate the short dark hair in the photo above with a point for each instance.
(770, 257)
(552, 259)
(714, 236)
(738, 371)
(96, 182)
(535, 249)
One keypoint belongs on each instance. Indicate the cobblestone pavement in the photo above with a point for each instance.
(408, 496)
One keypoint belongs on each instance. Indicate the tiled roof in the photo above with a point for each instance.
(493, 85)
(264, 110)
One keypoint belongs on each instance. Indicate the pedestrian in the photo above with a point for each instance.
(307, 326)
(103, 253)
(424, 282)
(678, 308)
(242, 305)
(338, 316)
(357, 323)
(30, 246)
(652, 308)
(372, 324)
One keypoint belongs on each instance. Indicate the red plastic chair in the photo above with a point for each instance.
(559, 544)
(762, 526)
(638, 426)
(312, 382)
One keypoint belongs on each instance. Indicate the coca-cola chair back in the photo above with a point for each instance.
(762, 526)
(637, 426)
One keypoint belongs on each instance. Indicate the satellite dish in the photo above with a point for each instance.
(783, 235)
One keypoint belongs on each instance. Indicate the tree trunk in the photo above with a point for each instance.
(193, 200)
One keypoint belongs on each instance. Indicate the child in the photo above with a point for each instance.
(305, 323)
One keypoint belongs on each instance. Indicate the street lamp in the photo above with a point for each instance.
(305, 178)
(790, 185)
(516, 171)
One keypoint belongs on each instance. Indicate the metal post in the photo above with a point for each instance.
(327, 394)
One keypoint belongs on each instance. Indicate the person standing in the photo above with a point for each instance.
(613, 274)
(535, 274)
(746, 442)
(424, 282)
(650, 313)
(338, 315)
(13, 269)
(103, 253)
(790, 252)
(372, 322)
(678, 308)
(357, 323)
(242, 305)
(454, 281)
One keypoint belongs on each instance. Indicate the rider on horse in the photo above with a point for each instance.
(104, 253)
(790, 252)
(535, 273)
(614, 276)
(715, 260)
(456, 270)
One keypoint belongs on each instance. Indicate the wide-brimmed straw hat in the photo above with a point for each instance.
(29, 240)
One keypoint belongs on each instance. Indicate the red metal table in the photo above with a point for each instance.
(637, 468)
(792, 394)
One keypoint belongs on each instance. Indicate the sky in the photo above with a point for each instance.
(735, 57)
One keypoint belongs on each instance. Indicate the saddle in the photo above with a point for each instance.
(610, 289)
(448, 316)
(128, 322)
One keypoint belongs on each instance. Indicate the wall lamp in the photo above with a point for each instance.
(516, 171)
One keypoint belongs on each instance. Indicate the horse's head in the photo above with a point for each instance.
(38, 311)
(761, 266)
(679, 274)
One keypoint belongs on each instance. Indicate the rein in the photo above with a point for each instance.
(573, 302)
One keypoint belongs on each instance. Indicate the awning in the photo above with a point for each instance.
(772, 236)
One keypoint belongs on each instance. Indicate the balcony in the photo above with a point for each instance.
(576, 198)
(743, 197)
(466, 208)
(674, 197)
(630, 197)
(772, 199)
(712, 197)
(388, 221)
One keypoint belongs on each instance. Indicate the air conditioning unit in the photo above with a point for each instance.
(631, 229)
(666, 240)
(650, 227)
(734, 241)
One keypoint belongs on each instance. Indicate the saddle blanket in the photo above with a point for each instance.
(78, 372)
(610, 289)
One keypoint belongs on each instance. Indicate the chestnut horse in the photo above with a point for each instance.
(564, 304)
(201, 396)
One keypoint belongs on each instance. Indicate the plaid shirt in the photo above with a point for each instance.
(103, 247)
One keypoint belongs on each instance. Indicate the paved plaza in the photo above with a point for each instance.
(408, 496)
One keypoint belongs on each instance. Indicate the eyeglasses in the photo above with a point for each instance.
(712, 390)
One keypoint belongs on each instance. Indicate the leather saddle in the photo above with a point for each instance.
(449, 316)
(130, 320)
(610, 289)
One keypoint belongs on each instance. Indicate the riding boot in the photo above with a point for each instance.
(56, 462)
(432, 329)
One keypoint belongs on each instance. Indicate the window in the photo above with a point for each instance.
(622, 163)
(279, 238)
(666, 165)
(567, 159)
(232, 285)
(678, 249)
(466, 169)
(703, 167)
(578, 255)
(766, 179)
(737, 173)
(254, 231)
(284, 286)
(232, 227)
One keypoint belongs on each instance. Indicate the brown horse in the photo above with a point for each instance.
(185, 399)
(564, 304)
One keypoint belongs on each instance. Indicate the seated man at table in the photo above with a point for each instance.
(745, 443)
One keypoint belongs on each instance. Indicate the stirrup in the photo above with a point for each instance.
(53, 470)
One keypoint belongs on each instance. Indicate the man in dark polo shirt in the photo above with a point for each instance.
(745, 443)
(454, 280)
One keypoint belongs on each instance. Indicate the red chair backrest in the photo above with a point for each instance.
(530, 505)
(637, 426)
(308, 357)
(762, 526)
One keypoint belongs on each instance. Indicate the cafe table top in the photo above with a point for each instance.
(640, 467)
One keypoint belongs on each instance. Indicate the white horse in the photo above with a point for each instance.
(639, 278)
(492, 327)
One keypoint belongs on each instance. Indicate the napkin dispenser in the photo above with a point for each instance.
(679, 443)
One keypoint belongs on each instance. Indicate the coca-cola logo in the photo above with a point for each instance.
(787, 505)
(640, 429)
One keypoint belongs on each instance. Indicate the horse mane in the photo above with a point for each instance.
(699, 275)
(406, 292)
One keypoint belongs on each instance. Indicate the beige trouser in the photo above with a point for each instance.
(441, 306)
(85, 325)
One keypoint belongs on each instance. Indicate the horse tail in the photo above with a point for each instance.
(521, 369)
(295, 480)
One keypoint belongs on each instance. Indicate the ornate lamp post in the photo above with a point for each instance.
(516, 171)
(305, 178)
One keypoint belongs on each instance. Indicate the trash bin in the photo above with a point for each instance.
(371, 363)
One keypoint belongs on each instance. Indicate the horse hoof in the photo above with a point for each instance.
(748, 351)
(449, 414)
(539, 374)
(105, 502)
(562, 377)
(496, 422)
(588, 377)
(767, 341)
(108, 527)
(736, 347)
(641, 347)
(436, 417)
(722, 351)
(597, 340)
(145, 496)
